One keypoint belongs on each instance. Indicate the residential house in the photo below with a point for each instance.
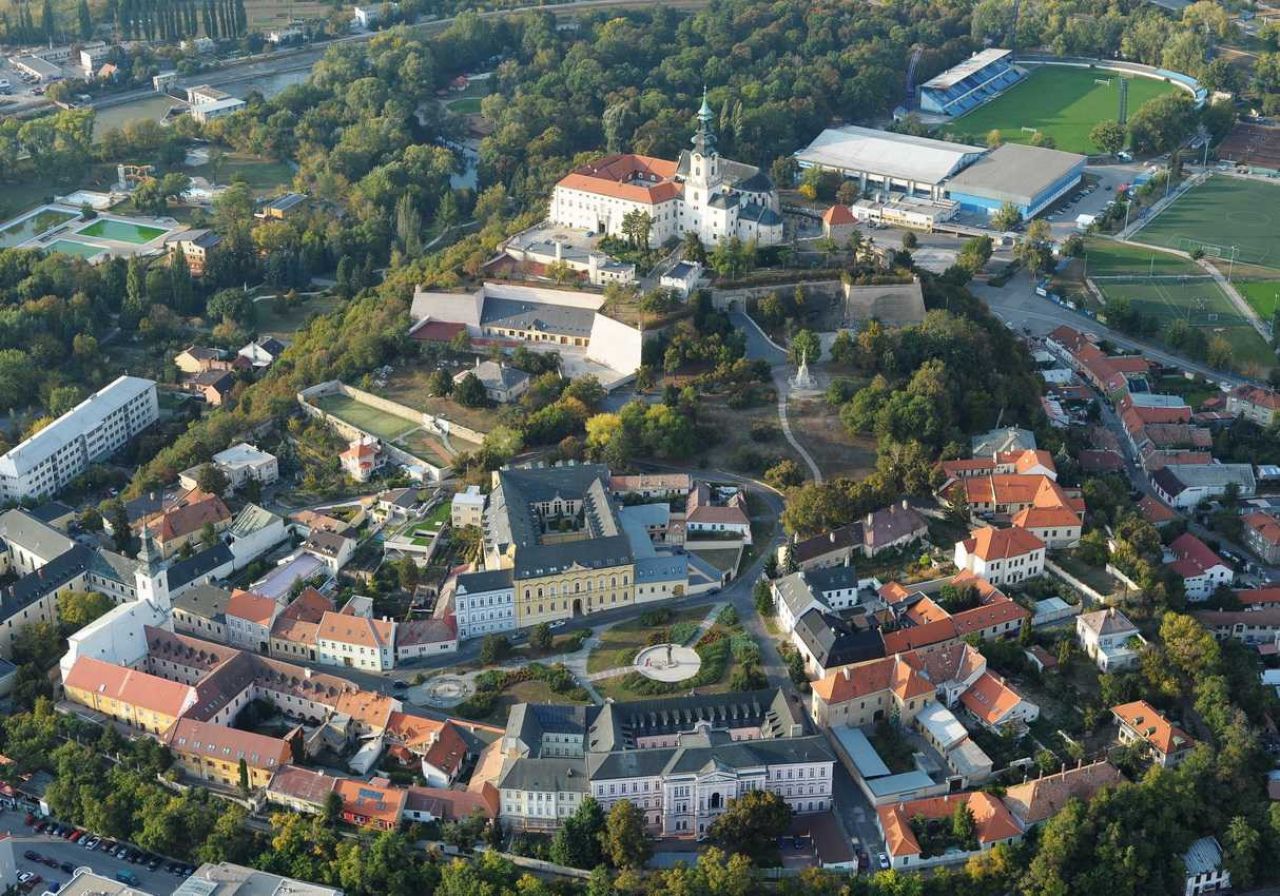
(362, 458)
(186, 522)
(356, 642)
(416, 638)
(1140, 722)
(1254, 403)
(1202, 570)
(281, 207)
(372, 804)
(502, 384)
(1206, 869)
(651, 486)
(1007, 493)
(196, 247)
(1156, 513)
(683, 278)
(1035, 801)
(1001, 556)
(1262, 536)
(838, 224)
(1257, 625)
(993, 825)
(241, 464)
(263, 352)
(830, 589)
(921, 624)
(1024, 462)
(250, 618)
(296, 631)
(997, 706)
(334, 549)
(467, 508)
(214, 386)
(202, 611)
(484, 603)
(717, 512)
(1109, 639)
(826, 641)
(1057, 527)
(1005, 440)
(200, 359)
(895, 526)
(213, 753)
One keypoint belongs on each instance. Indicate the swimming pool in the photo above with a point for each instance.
(72, 247)
(33, 225)
(122, 231)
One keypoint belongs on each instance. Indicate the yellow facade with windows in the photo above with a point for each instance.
(577, 591)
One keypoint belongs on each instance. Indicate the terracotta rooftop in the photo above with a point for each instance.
(1267, 526)
(228, 744)
(1040, 799)
(358, 630)
(990, 699)
(130, 686)
(993, 822)
(990, 543)
(371, 799)
(251, 606)
(1145, 720)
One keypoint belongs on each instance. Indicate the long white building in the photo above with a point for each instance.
(95, 428)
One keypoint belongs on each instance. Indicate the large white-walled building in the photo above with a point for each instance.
(95, 428)
(701, 193)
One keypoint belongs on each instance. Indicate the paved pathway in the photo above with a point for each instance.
(701, 630)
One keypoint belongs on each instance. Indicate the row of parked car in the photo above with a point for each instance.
(94, 843)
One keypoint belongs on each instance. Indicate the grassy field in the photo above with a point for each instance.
(468, 105)
(1200, 302)
(1062, 103)
(371, 420)
(284, 323)
(408, 386)
(1263, 295)
(264, 176)
(263, 13)
(428, 447)
(1222, 213)
(1105, 258)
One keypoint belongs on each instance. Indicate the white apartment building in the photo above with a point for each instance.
(245, 463)
(484, 602)
(467, 508)
(99, 426)
(356, 642)
(1001, 556)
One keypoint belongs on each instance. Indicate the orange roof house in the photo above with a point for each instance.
(632, 177)
(996, 705)
(374, 803)
(1140, 721)
(128, 695)
(213, 752)
(993, 823)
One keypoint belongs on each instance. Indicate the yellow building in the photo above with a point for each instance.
(213, 753)
(127, 695)
(557, 529)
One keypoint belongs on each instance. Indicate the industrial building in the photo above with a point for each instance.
(1029, 177)
(916, 166)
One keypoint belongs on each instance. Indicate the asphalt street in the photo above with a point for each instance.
(158, 882)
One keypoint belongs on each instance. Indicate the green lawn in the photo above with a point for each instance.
(371, 420)
(284, 322)
(428, 447)
(619, 645)
(1221, 214)
(1263, 295)
(469, 105)
(1062, 103)
(262, 175)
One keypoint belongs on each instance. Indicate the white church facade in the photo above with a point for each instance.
(702, 193)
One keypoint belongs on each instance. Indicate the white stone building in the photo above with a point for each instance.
(701, 193)
(484, 603)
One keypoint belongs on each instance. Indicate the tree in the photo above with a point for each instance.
(578, 842)
(494, 649)
(784, 474)
(994, 138)
(1162, 123)
(331, 812)
(113, 511)
(636, 226)
(540, 638)
(77, 609)
(1006, 217)
(805, 346)
(963, 826)
(244, 775)
(1108, 136)
(762, 595)
(84, 20)
(439, 384)
(909, 241)
(752, 823)
(212, 480)
(1241, 844)
(232, 304)
(469, 392)
(625, 840)
(975, 253)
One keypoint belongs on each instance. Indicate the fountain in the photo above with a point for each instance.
(803, 380)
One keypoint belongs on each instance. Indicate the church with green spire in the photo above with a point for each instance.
(701, 192)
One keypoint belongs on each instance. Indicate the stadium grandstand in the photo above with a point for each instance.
(966, 86)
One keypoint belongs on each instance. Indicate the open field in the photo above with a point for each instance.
(1263, 295)
(283, 323)
(468, 105)
(371, 420)
(264, 176)
(263, 13)
(1222, 214)
(1060, 102)
(817, 426)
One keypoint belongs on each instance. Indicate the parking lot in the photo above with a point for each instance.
(158, 882)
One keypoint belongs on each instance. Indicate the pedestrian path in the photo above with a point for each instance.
(705, 624)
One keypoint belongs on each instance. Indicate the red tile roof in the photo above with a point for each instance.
(991, 699)
(372, 799)
(993, 822)
(251, 606)
(838, 214)
(1267, 526)
(1194, 556)
(1144, 719)
(195, 738)
(358, 630)
(990, 543)
(631, 177)
(1156, 512)
(130, 686)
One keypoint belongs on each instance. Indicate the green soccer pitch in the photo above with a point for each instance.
(1221, 215)
(1059, 102)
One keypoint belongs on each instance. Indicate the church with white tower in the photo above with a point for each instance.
(702, 193)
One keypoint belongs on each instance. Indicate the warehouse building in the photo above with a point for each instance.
(1030, 177)
(916, 166)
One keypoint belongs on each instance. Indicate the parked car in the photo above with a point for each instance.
(51, 861)
(883, 861)
(154, 863)
(91, 843)
(31, 855)
(127, 877)
(67, 868)
(29, 820)
(76, 835)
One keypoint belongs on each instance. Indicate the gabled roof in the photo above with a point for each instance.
(130, 686)
(372, 799)
(892, 673)
(1195, 558)
(990, 543)
(1267, 526)
(359, 630)
(1039, 799)
(1156, 512)
(1107, 622)
(992, 820)
(991, 699)
(222, 742)
(838, 214)
(252, 607)
(1147, 722)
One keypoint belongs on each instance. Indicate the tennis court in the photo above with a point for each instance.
(1060, 102)
(1224, 216)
